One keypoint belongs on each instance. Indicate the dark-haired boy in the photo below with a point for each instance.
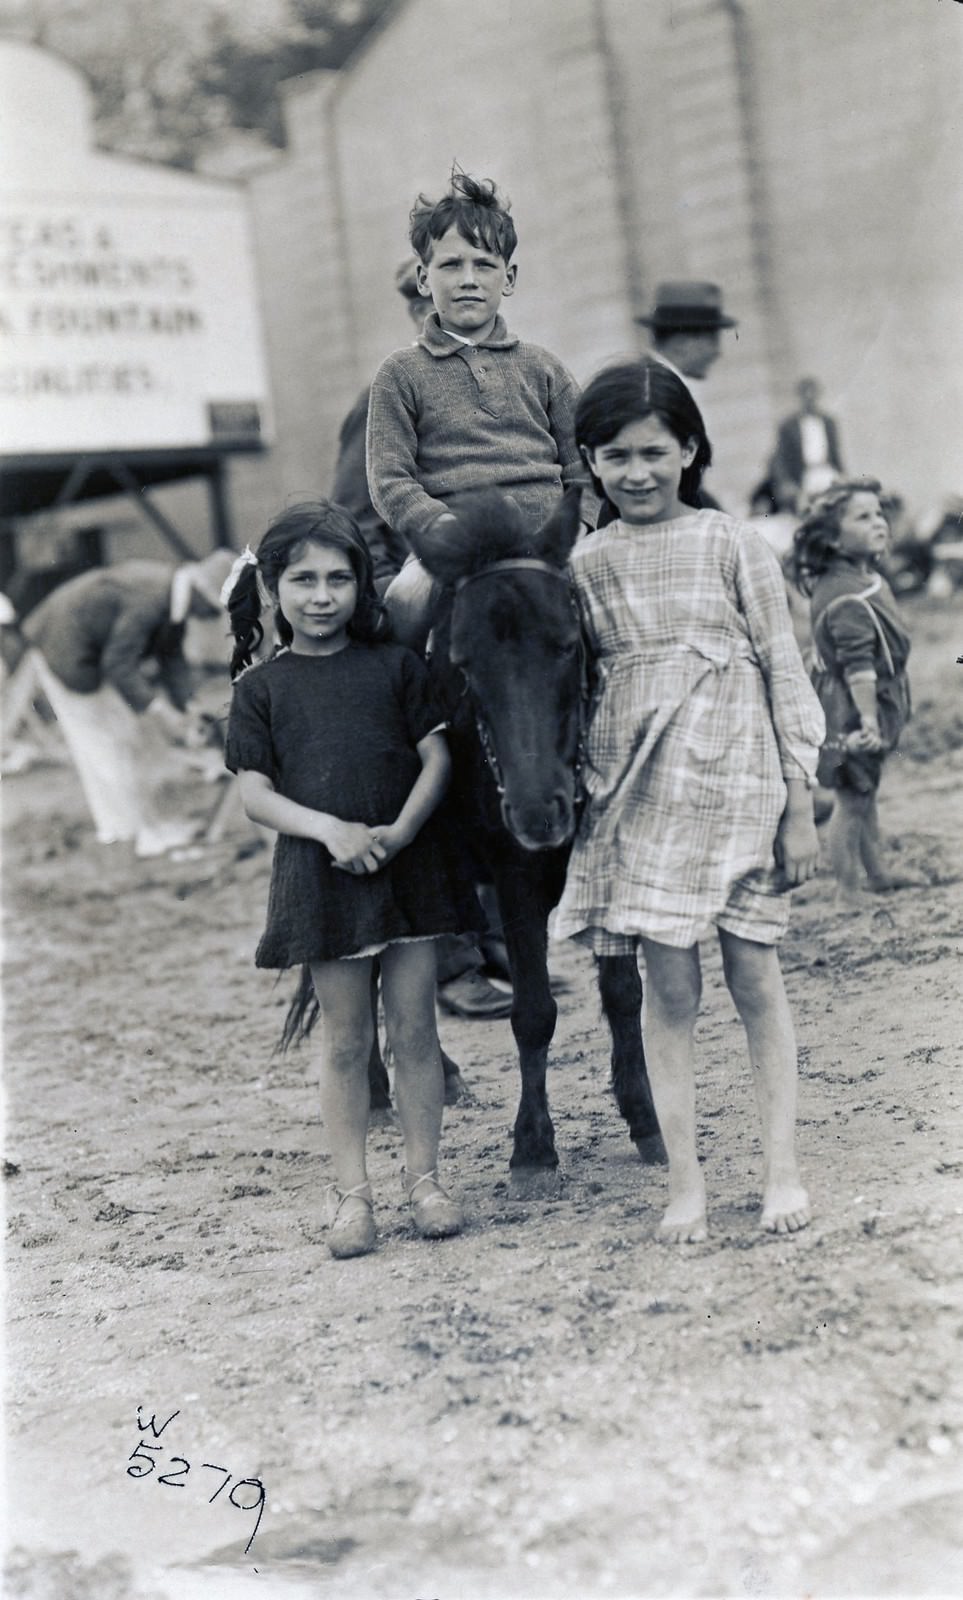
(469, 406)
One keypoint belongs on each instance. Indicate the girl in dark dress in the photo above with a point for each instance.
(860, 651)
(339, 748)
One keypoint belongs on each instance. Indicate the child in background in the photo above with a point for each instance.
(699, 758)
(339, 748)
(468, 406)
(860, 653)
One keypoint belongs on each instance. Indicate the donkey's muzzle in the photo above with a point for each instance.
(541, 827)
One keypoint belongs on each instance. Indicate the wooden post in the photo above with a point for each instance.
(220, 514)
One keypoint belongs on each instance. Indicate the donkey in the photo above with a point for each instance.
(510, 665)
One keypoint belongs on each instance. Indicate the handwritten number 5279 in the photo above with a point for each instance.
(144, 1463)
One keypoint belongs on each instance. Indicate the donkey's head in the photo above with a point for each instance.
(514, 632)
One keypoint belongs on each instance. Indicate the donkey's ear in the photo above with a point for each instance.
(556, 537)
(440, 547)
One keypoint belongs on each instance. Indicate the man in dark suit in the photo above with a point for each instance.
(807, 456)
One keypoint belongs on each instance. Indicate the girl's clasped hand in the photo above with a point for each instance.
(354, 847)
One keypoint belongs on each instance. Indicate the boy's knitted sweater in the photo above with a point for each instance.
(445, 417)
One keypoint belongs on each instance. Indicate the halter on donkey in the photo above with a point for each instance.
(511, 666)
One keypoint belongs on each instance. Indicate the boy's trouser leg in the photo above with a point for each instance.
(457, 954)
(463, 990)
(411, 599)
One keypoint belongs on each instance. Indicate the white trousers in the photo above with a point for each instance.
(111, 755)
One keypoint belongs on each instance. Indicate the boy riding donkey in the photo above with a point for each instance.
(468, 405)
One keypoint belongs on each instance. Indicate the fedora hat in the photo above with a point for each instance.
(686, 307)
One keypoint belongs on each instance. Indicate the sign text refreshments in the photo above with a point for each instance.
(123, 322)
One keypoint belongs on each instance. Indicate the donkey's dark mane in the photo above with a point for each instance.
(490, 527)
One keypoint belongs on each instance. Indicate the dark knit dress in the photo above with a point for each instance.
(338, 733)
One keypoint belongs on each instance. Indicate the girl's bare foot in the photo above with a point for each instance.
(785, 1208)
(693, 1230)
(850, 898)
(684, 1221)
(887, 882)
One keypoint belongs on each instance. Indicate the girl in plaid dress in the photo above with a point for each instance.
(701, 753)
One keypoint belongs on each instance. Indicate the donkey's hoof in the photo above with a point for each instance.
(535, 1183)
(652, 1150)
(455, 1088)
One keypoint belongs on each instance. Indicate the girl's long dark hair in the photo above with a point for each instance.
(319, 521)
(815, 544)
(625, 392)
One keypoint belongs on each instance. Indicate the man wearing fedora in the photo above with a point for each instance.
(685, 325)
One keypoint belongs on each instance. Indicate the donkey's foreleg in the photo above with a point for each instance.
(534, 1014)
(379, 1090)
(379, 1093)
(620, 988)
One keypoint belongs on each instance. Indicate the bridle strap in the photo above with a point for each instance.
(512, 564)
(534, 564)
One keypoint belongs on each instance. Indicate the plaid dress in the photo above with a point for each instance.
(703, 709)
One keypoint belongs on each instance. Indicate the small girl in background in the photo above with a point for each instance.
(699, 755)
(859, 671)
(339, 748)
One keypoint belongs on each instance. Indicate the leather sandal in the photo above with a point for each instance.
(436, 1214)
(350, 1232)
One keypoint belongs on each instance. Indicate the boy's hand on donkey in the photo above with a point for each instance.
(354, 846)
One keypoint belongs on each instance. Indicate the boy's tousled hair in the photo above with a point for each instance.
(320, 522)
(815, 544)
(474, 207)
(629, 390)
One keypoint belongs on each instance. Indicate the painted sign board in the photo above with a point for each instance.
(128, 309)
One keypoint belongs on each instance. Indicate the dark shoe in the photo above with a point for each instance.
(436, 1215)
(471, 995)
